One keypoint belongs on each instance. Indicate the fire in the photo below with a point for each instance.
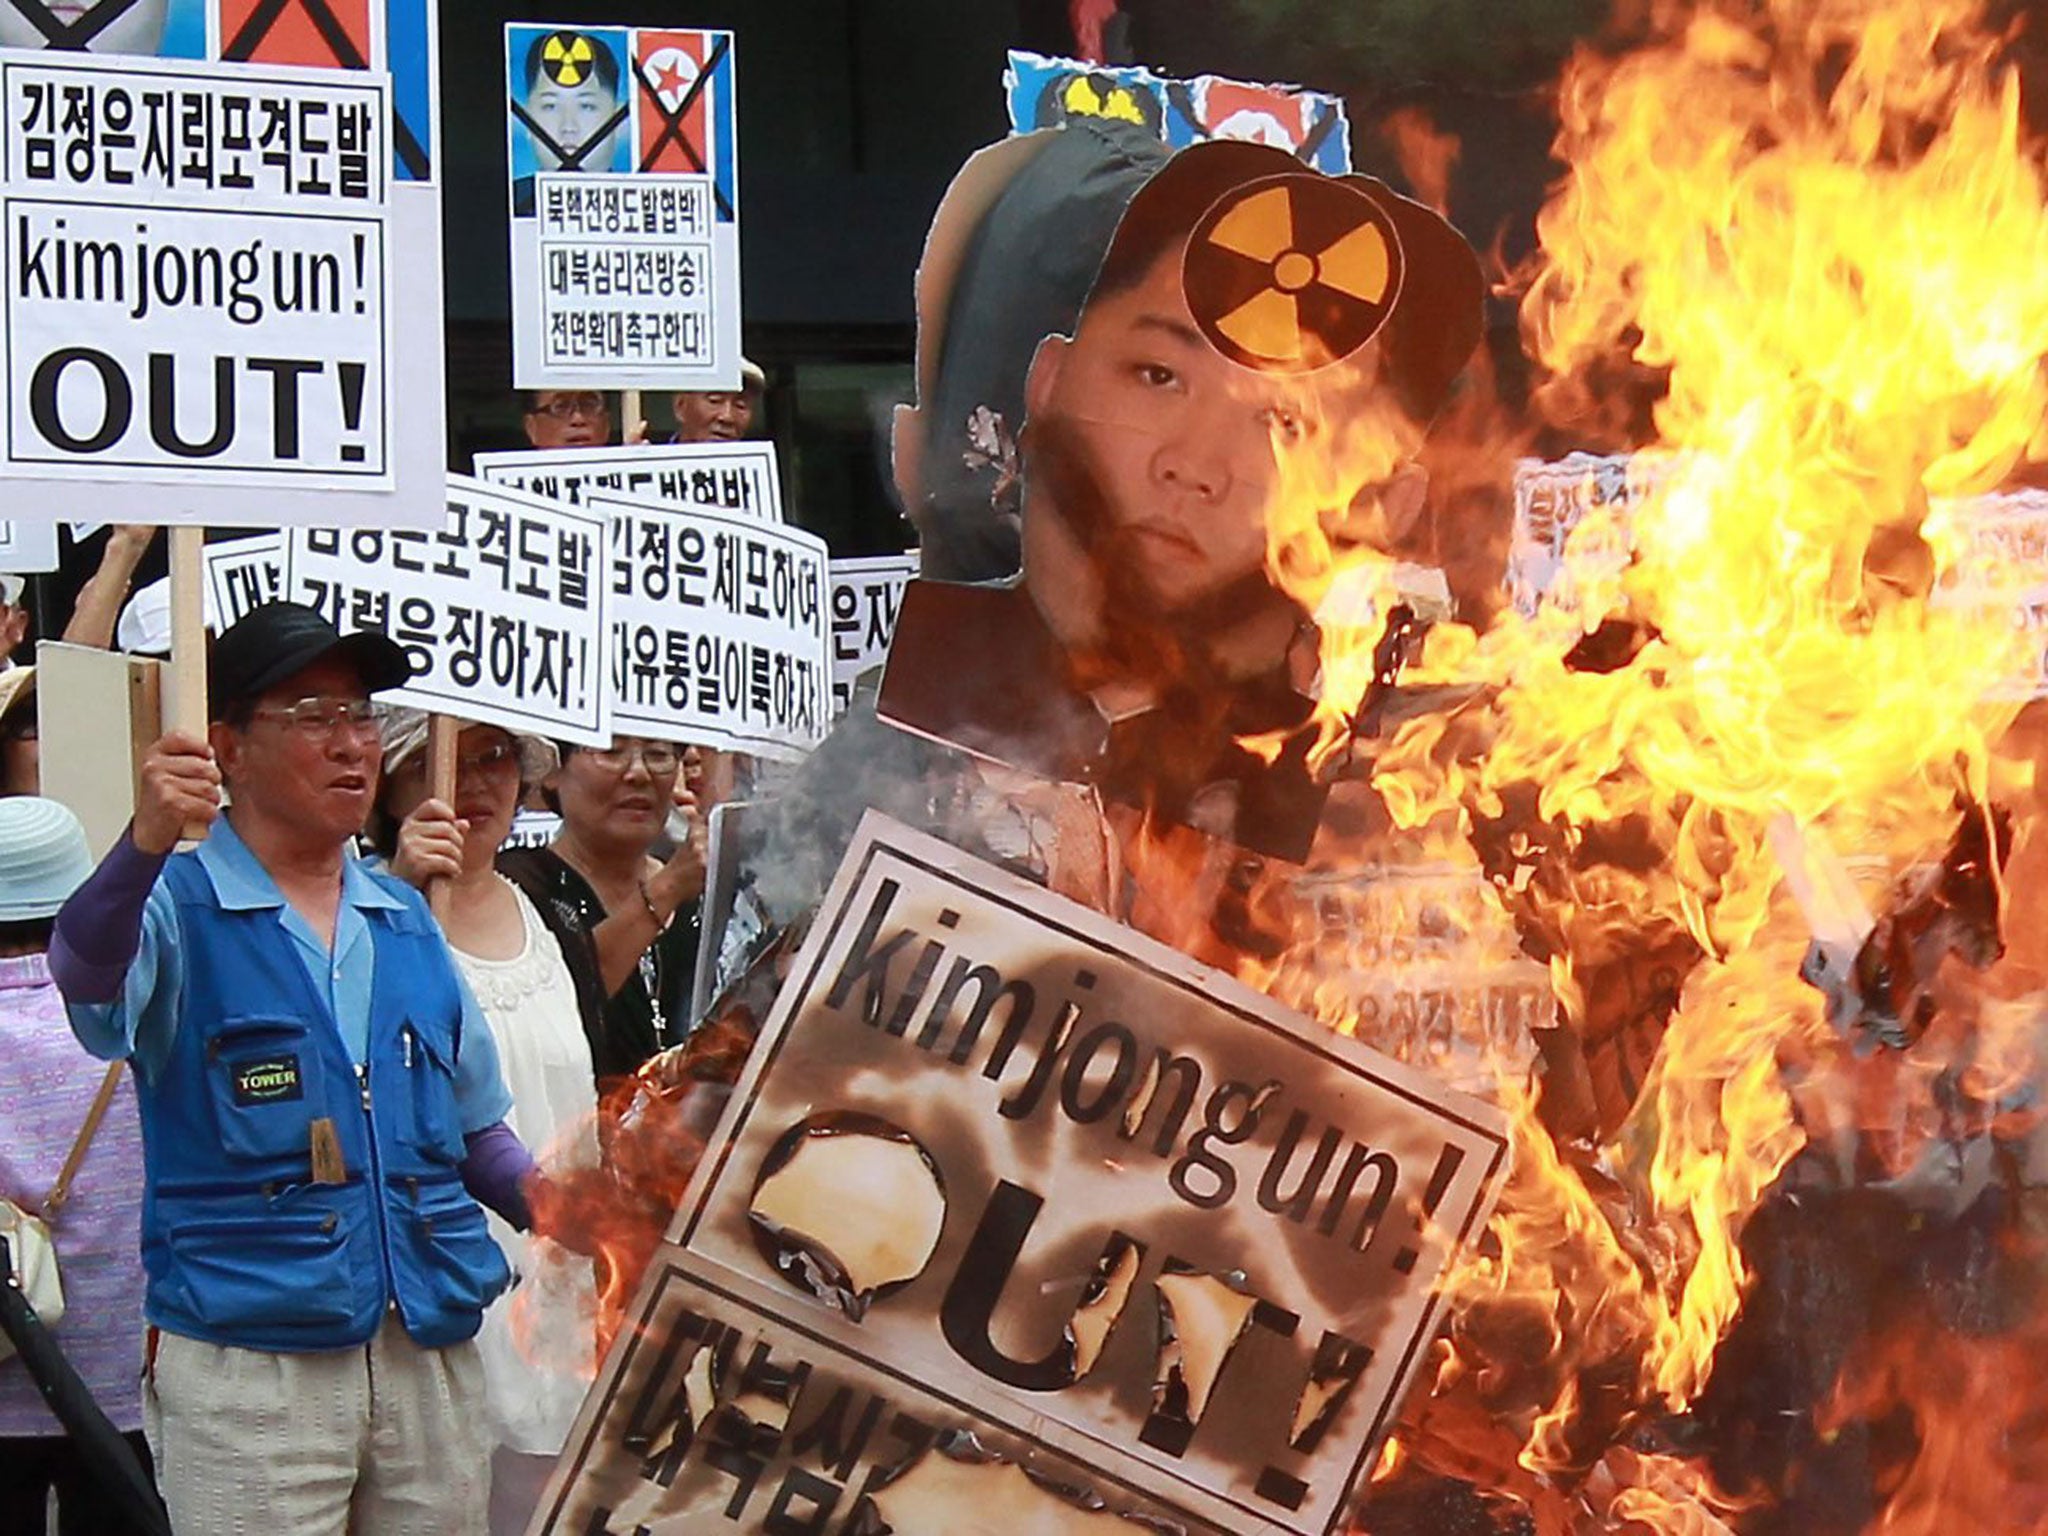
(1820, 226)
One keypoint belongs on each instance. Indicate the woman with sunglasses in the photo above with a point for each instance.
(624, 916)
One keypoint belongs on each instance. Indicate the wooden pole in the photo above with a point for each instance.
(442, 734)
(185, 700)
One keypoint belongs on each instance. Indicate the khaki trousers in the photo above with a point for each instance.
(387, 1439)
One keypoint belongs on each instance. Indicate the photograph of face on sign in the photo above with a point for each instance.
(169, 29)
(567, 104)
(1243, 390)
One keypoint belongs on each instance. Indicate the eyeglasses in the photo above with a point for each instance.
(658, 757)
(491, 762)
(321, 719)
(562, 407)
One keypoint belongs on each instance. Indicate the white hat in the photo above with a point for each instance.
(404, 733)
(43, 857)
(145, 627)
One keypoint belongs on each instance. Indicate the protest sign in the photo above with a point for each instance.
(1573, 537)
(1554, 555)
(740, 478)
(1313, 126)
(624, 170)
(718, 629)
(503, 612)
(198, 315)
(28, 547)
(1001, 1167)
(240, 575)
(866, 594)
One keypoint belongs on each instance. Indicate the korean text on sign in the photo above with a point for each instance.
(626, 272)
(866, 595)
(242, 574)
(740, 478)
(718, 629)
(503, 612)
(195, 273)
(980, 1118)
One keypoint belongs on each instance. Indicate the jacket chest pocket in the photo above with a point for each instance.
(433, 1128)
(264, 1082)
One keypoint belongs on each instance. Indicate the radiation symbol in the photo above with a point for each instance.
(568, 58)
(1293, 272)
(1081, 98)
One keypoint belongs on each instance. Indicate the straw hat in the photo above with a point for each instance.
(43, 857)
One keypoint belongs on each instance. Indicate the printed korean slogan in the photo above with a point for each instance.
(1000, 1167)
(503, 611)
(1313, 126)
(866, 594)
(740, 478)
(242, 574)
(718, 629)
(624, 170)
(197, 305)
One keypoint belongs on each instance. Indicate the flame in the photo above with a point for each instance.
(1818, 228)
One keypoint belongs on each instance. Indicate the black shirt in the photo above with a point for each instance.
(650, 1012)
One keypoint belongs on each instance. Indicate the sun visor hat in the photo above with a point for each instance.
(277, 640)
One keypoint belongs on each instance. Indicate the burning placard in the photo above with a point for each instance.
(1006, 1185)
(625, 207)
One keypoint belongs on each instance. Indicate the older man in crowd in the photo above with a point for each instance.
(567, 418)
(321, 1107)
(719, 415)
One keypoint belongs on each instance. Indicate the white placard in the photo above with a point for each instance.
(503, 612)
(718, 629)
(200, 312)
(866, 594)
(739, 478)
(242, 574)
(983, 1124)
(624, 173)
(26, 548)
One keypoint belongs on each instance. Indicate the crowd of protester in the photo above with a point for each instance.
(387, 1347)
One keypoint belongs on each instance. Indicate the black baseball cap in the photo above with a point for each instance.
(271, 642)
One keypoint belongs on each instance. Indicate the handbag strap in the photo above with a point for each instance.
(60, 1191)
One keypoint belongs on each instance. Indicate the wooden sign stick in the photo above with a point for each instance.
(443, 732)
(185, 701)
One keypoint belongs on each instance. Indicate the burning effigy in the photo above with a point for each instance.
(1245, 1035)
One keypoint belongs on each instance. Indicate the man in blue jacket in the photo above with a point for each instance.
(321, 1109)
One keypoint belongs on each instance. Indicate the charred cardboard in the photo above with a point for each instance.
(1185, 1269)
(1286, 274)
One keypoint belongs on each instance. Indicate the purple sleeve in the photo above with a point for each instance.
(100, 927)
(495, 1165)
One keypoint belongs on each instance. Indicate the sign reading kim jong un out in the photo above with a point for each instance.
(200, 315)
(1017, 1210)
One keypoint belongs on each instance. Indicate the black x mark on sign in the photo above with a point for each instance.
(72, 36)
(243, 45)
(672, 122)
(572, 159)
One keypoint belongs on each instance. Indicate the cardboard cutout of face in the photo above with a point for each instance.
(1256, 364)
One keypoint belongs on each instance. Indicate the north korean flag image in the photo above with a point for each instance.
(322, 33)
(676, 97)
